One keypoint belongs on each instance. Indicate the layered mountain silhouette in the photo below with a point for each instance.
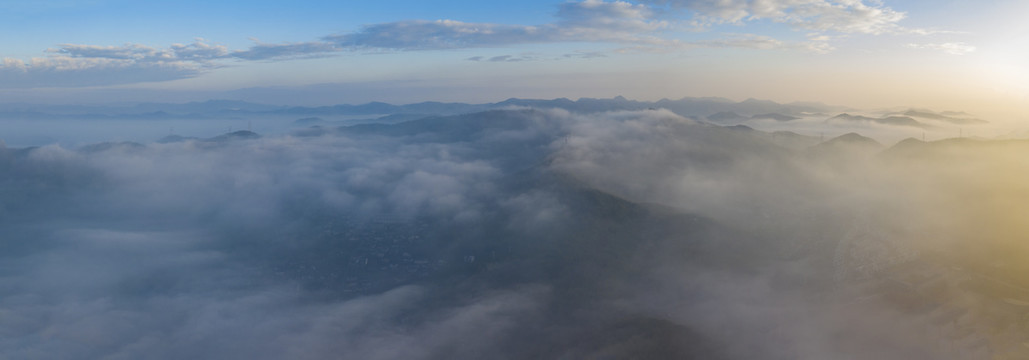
(958, 118)
(887, 120)
(688, 107)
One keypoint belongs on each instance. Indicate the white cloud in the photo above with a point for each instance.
(72, 65)
(75, 72)
(747, 41)
(590, 20)
(952, 48)
(86, 65)
(845, 16)
(440, 34)
(818, 45)
(504, 58)
(263, 51)
(598, 20)
(199, 51)
(586, 54)
(638, 26)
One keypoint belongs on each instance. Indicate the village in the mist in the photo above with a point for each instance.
(698, 228)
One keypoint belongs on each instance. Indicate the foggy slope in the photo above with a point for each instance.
(500, 234)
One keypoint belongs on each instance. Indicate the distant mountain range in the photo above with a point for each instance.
(476, 125)
(713, 110)
(696, 108)
(887, 120)
(923, 119)
(958, 118)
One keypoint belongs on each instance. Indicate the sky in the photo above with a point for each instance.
(949, 55)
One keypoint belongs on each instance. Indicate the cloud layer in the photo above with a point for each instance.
(184, 249)
(504, 234)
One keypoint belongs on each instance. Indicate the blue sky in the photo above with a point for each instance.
(854, 52)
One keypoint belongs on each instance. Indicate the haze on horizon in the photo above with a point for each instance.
(949, 56)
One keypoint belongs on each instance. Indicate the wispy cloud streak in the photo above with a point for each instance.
(952, 48)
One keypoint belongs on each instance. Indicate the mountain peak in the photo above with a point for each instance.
(756, 101)
(853, 138)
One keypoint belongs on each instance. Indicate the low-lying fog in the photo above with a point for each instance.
(514, 233)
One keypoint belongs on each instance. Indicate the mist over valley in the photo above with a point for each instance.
(603, 228)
